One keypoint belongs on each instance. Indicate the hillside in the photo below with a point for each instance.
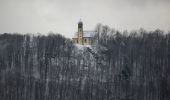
(120, 66)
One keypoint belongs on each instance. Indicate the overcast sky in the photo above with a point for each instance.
(61, 16)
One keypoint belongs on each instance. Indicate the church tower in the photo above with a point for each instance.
(80, 32)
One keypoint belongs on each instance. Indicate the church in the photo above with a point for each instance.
(84, 37)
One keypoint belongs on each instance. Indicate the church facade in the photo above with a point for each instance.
(84, 37)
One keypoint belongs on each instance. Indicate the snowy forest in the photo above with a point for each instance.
(120, 66)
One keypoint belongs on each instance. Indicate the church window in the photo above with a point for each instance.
(85, 40)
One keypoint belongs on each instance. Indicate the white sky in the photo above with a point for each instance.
(61, 16)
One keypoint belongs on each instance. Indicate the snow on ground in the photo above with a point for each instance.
(82, 47)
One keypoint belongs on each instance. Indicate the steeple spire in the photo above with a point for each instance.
(80, 21)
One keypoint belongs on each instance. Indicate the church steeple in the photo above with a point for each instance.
(80, 32)
(80, 26)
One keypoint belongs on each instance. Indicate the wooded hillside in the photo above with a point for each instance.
(121, 66)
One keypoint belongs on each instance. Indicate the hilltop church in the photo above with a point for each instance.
(84, 37)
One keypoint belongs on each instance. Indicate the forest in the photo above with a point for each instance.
(120, 66)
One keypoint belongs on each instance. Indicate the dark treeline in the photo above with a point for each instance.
(121, 66)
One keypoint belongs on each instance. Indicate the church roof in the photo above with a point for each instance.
(86, 34)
